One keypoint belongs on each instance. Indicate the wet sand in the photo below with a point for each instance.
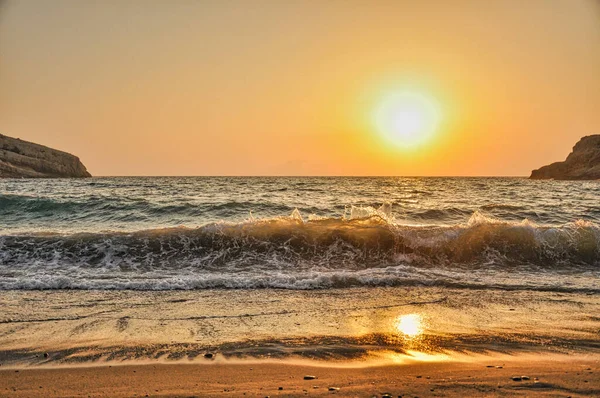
(364, 341)
(88, 326)
(547, 376)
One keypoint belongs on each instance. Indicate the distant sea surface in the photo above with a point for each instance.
(157, 233)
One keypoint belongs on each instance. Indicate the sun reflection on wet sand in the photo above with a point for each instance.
(410, 325)
(411, 356)
(409, 334)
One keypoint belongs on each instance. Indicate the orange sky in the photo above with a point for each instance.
(271, 87)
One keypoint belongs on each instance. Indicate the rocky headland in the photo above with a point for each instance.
(583, 163)
(22, 159)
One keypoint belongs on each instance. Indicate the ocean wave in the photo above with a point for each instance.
(103, 208)
(502, 206)
(364, 238)
(440, 214)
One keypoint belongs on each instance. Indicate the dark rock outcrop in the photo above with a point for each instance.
(20, 158)
(581, 164)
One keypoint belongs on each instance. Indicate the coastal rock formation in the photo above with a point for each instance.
(20, 158)
(581, 164)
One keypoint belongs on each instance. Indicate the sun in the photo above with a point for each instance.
(407, 119)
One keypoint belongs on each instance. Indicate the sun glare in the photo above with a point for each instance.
(407, 119)
(410, 325)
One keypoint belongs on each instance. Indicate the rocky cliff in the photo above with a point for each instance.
(581, 164)
(20, 158)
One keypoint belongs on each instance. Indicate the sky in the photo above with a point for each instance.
(298, 87)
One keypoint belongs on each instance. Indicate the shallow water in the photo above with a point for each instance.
(299, 233)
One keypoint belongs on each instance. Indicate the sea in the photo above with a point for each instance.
(299, 233)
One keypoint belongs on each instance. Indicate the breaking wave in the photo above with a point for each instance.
(365, 247)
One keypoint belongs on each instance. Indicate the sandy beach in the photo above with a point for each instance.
(556, 376)
(403, 341)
